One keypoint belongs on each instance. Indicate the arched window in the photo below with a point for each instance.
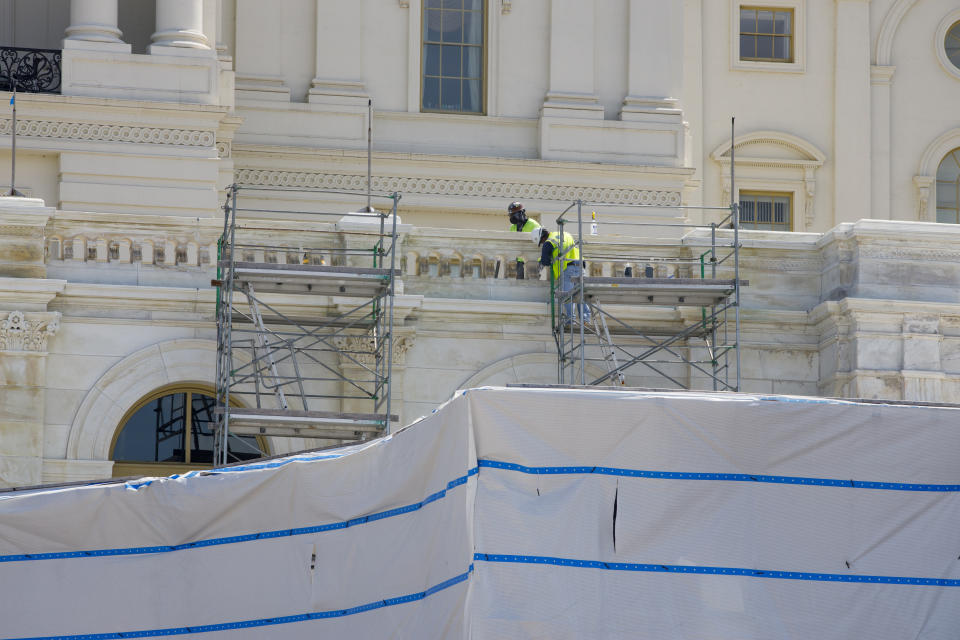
(172, 431)
(948, 188)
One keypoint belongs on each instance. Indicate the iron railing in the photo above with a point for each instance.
(33, 70)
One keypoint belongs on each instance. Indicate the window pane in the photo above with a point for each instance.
(202, 430)
(952, 44)
(472, 62)
(473, 27)
(781, 210)
(746, 211)
(431, 59)
(471, 95)
(947, 194)
(450, 61)
(764, 21)
(473, 5)
(155, 433)
(431, 93)
(764, 46)
(949, 170)
(748, 46)
(433, 21)
(946, 215)
(783, 22)
(781, 48)
(452, 4)
(202, 427)
(452, 26)
(763, 210)
(748, 21)
(450, 94)
(433, 3)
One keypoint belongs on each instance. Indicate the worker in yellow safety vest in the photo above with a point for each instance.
(563, 256)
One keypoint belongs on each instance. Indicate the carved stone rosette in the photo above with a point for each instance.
(360, 349)
(28, 331)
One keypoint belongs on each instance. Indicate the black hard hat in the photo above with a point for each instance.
(516, 207)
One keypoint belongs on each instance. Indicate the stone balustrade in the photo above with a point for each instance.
(444, 254)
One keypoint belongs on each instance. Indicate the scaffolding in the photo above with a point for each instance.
(679, 272)
(305, 328)
(606, 330)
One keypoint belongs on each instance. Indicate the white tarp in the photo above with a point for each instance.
(524, 513)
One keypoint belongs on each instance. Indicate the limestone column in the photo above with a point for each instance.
(852, 114)
(339, 53)
(572, 89)
(180, 29)
(654, 61)
(93, 25)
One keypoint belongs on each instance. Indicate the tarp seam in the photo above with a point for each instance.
(724, 477)
(731, 571)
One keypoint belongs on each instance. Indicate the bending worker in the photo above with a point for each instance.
(564, 258)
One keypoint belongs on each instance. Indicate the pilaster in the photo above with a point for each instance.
(654, 62)
(258, 72)
(572, 89)
(339, 64)
(852, 121)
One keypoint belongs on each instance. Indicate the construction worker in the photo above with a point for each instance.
(563, 256)
(519, 220)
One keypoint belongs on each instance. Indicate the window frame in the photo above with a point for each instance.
(484, 63)
(955, 153)
(789, 195)
(757, 34)
(124, 468)
(949, 21)
(797, 44)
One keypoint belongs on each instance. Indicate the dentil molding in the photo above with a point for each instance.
(442, 186)
(93, 132)
(29, 331)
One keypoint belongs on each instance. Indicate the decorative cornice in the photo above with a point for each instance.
(93, 132)
(361, 349)
(29, 331)
(442, 186)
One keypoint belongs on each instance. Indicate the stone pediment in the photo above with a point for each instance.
(771, 149)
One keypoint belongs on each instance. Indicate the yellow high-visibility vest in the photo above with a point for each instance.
(528, 226)
(573, 252)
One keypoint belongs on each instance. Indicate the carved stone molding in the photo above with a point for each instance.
(109, 133)
(441, 186)
(29, 331)
(361, 348)
(223, 149)
(923, 184)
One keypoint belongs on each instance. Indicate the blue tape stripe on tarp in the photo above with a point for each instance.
(722, 571)
(728, 477)
(210, 542)
(266, 622)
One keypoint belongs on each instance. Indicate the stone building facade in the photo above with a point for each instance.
(846, 128)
